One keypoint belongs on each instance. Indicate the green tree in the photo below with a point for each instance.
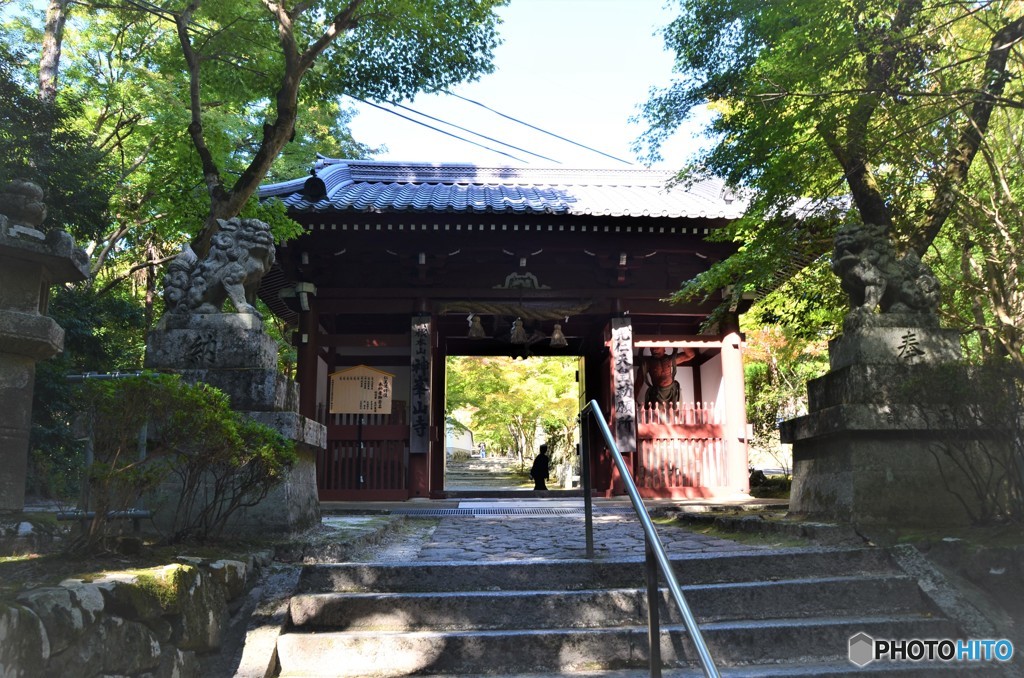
(777, 366)
(261, 63)
(511, 400)
(39, 142)
(102, 333)
(221, 461)
(193, 104)
(874, 109)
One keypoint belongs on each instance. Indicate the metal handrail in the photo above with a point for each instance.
(654, 554)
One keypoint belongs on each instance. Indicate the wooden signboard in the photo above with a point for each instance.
(361, 390)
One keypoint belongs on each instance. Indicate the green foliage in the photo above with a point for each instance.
(511, 399)
(808, 305)
(268, 99)
(771, 487)
(981, 262)
(41, 143)
(221, 460)
(777, 363)
(102, 333)
(875, 110)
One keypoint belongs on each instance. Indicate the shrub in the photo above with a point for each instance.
(152, 428)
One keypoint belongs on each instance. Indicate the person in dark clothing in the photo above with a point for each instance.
(539, 470)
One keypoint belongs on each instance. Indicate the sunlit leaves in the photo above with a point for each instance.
(511, 400)
(881, 101)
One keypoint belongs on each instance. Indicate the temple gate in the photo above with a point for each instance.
(403, 265)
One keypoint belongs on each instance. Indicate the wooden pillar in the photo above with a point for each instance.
(623, 412)
(307, 357)
(623, 407)
(735, 412)
(421, 373)
(437, 452)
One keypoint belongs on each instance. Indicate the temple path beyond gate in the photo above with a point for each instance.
(491, 473)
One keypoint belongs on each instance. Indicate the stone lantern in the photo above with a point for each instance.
(31, 261)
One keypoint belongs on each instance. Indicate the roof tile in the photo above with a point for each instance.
(362, 185)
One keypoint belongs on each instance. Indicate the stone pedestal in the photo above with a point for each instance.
(232, 352)
(30, 262)
(229, 351)
(863, 453)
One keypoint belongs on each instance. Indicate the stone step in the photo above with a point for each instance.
(570, 575)
(780, 612)
(837, 669)
(478, 492)
(463, 611)
(732, 644)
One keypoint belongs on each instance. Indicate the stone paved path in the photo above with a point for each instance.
(533, 537)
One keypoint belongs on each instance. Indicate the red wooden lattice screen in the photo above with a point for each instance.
(681, 446)
(384, 460)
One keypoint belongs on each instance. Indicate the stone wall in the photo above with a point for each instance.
(148, 623)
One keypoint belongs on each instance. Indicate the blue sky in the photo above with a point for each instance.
(577, 68)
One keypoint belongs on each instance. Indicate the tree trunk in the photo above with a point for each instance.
(53, 38)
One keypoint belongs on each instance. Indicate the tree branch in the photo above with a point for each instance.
(137, 267)
(211, 173)
(974, 130)
(280, 131)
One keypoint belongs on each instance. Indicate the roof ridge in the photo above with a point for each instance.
(422, 172)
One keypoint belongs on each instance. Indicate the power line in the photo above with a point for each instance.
(544, 131)
(456, 136)
(482, 136)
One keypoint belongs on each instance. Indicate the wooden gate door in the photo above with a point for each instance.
(377, 469)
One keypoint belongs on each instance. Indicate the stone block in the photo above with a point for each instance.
(216, 322)
(211, 345)
(231, 575)
(289, 508)
(868, 451)
(30, 335)
(124, 597)
(879, 418)
(262, 390)
(115, 646)
(21, 283)
(17, 379)
(55, 254)
(894, 346)
(875, 384)
(876, 478)
(203, 610)
(175, 663)
(64, 617)
(294, 426)
(13, 466)
(24, 645)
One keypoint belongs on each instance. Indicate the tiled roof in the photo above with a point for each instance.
(372, 186)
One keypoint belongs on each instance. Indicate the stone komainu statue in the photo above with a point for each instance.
(240, 255)
(875, 277)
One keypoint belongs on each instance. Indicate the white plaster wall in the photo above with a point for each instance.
(711, 385)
